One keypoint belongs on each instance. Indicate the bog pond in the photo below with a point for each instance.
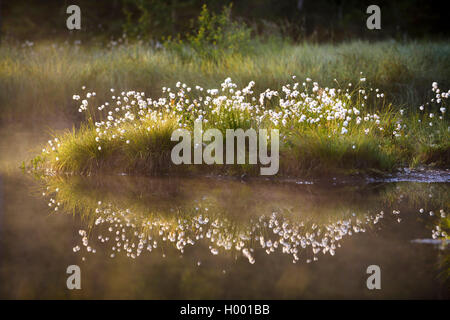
(200, 238)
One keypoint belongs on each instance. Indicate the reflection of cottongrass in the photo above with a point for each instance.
(332, 126)
(134, 235)
(150, 224)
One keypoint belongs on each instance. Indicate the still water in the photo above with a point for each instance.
(220, 238)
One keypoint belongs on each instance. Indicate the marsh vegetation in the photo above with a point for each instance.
(364, 158)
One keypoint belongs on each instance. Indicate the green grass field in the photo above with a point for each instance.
(38, 82)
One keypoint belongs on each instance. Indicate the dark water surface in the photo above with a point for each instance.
(220, 238)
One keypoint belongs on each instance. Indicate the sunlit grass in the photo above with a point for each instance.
(140, 150)
(36, 81)
(323, 131)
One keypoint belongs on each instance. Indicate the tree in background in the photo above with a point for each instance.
(318, 20)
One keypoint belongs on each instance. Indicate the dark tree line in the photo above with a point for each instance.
(321, 20)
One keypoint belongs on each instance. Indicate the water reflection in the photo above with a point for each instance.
(134, 217)
(36, 242)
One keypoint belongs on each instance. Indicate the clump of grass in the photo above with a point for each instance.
(312, 153)
(429, 141)
(140, 150)
(322, 130)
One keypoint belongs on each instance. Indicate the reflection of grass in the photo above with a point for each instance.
(145, 214)
(417, 195)
(445, 269)
(232, 198)
(169, 200)
(179, 198)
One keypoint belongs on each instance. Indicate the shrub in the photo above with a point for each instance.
(214, 36)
